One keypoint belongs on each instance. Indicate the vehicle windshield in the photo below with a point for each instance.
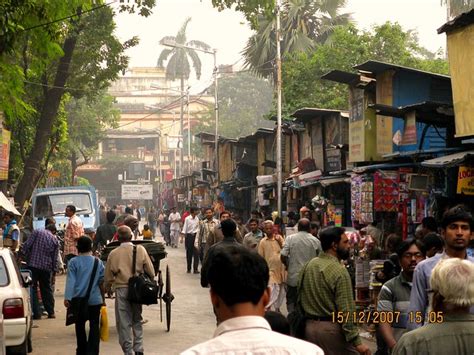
(3, 273)
(51, 205)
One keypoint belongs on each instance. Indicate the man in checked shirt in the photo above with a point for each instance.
(74, 230)
(41, 254)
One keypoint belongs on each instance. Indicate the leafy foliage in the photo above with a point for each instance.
(252, 9)
(302, 83)
(457, 7)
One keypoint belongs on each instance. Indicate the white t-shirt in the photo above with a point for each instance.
(174, 218)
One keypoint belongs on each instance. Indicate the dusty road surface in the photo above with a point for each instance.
(192, 318)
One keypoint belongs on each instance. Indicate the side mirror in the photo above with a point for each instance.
(26, 278)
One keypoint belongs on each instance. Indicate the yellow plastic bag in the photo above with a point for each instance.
(104, 324)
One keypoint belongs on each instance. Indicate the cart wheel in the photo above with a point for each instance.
(160, 294)
(168, 298)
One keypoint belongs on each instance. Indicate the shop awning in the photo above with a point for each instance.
(384, 166)
(448, 160)
(334, 180)
(7, 205)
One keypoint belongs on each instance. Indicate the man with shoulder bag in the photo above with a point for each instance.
(120, 272)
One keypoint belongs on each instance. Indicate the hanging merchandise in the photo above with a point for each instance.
(386, 191)
(367, 200)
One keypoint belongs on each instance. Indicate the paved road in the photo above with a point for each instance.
(192, 320)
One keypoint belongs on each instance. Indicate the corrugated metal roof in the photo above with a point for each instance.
(462, 20)
(342, 77)
(448, 160)
(308, 113)
(375, 67)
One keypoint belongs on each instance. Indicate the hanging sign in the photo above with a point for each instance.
(465, 180)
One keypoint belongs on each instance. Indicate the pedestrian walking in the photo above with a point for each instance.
(205, 227)
(269, 248)
(128, 316)
(190, 229)
(254, 236)
(11, 232)
(175, 219)
(152, 219)
(216, 234)
(106, 231)
(299, 248)
(85, 270)
(325, 291)
(74, 230)
(40, 251)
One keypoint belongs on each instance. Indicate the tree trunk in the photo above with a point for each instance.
(32, 171)
(73, 159)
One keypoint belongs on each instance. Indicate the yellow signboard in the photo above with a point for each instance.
(465, 180)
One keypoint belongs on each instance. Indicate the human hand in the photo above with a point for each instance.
(67, 303)
(363, 349)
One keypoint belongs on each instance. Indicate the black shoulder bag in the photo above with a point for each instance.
(141, 288)
(78, 309)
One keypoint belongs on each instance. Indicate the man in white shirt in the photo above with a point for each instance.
(174, 219)
(239, 294)
(190, 229)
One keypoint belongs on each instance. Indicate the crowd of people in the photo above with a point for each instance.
(426, 303)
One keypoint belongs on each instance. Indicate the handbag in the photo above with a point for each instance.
(78, 309)
(141, 288)
(104, 324)
(297, 318)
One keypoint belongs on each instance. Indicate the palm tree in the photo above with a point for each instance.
(178, 66)
(304, 24)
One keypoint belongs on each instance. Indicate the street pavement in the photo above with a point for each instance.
(192, 319)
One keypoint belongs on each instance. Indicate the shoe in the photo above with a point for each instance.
(196, 272)
(37, 318)
(51, 316)
(138, 352)
(188, 272)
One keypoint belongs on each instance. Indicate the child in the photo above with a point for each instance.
(147, 234)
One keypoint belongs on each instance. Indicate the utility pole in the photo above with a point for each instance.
(216, 111)
(278, 63)
(189, 131)
(181, 114)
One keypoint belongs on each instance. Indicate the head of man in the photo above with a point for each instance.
(228, 228)
(410, 253)
(314, 229)
(128, 210)
(48, 221)
(452, 282)
(193, 211)
(456, 228)
(8, 217)
(305, 212)
(253, 225)
(304, 225)
(52, 228)
(255, 214)
(124, 234)
(238, 278)
(268, 228)
(84, 244)
(432, 244)
(224, 215)
(209, 213)
(70, 210)
(334, 241)
(110, 216)
(131, 222)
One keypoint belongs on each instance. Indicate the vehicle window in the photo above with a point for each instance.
(4, 280)
(56, 204)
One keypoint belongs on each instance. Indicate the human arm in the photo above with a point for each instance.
(70, 282)
(385, 304)
(205, 267)
(109, 274)
(101, 281)
(238, 236)
(15, 238)
(285, 252)
(185, 226)
(55, 256)
(418, 298)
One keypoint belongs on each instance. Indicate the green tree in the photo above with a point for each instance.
(348, 47)
(88, 121)
(252, 9)
(304, 24)
(67, 59)
(244, 101)
(457, 7)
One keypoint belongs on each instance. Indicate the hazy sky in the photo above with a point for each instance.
(227, 31)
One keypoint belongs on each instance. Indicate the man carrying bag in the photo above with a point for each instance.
(120, 268)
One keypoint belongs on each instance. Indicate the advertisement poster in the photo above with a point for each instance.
(137, 192)
(465, 180)
(4, 154)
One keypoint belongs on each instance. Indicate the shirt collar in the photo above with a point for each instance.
(241, 323)
(126, 244)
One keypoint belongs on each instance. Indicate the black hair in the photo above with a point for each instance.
(238, 275)
(304, 225)
(193, 209)
(393, 242)
(128, 210)
(110, 216)
(51, 228)
(208, 209)
(315, 225)
(9, 214)
(430, 224)
(330, 235)
(253, 220)
(223, 213)
(48, 221)
(432, 240)
(278, 322)
(455, 214)
(71, 208)
(228, 227)
(406, 244)
(146, 227)
(84, 244)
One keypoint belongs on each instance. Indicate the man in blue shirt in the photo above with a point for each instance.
(456, 226)
(11, 232)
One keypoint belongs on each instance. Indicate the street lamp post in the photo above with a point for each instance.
(278, 63)
(216, 106)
